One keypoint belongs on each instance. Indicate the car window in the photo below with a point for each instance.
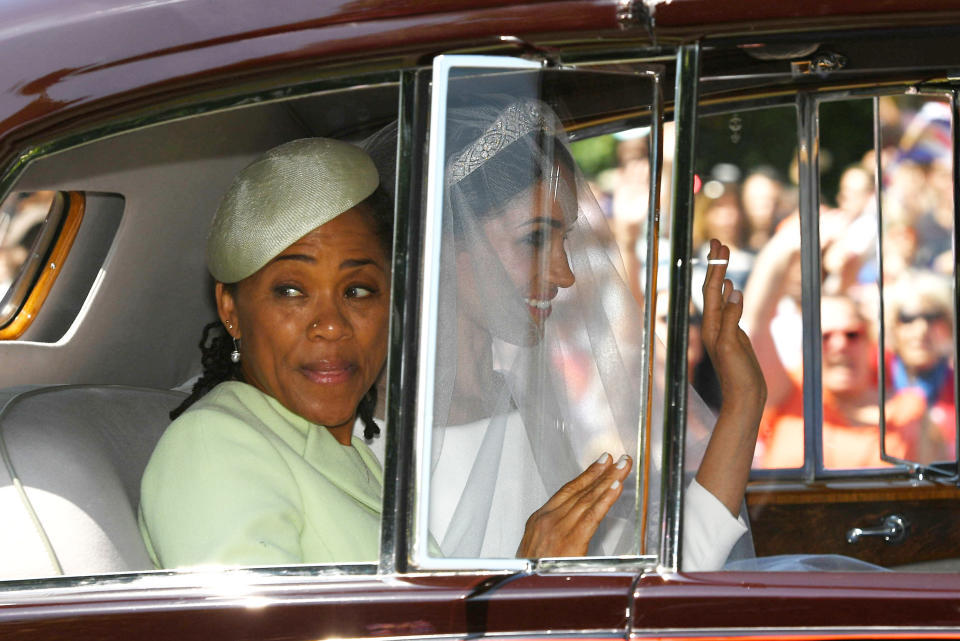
(30, 224)
(917, 267)
(81, 413)
(536, 331)
(746, 197)
(22, 217)
(916, 201)
(885, 299)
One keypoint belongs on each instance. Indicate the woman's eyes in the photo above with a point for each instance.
(540, 238)
(537, 238)
(352, 291)
(359, 291)
(287, 291)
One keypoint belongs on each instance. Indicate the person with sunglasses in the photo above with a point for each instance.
(920, 375)
(851, 410)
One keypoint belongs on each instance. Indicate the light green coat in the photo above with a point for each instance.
(239, 479)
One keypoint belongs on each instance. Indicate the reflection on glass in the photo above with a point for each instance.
(917, 201)
(21, 219)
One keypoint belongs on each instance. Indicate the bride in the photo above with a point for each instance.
(537, 398)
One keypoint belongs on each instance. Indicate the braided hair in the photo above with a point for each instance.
(215, 348)
(216, 344)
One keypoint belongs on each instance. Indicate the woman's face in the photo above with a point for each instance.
(528, 239)
(846, 348)
(724, 220)
(923, 335)
(313, 321)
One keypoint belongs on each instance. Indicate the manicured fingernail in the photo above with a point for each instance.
(615, 485)
(622, 462)
(735, 297)
(603, 458)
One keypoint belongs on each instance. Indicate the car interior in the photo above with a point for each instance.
(115, 348)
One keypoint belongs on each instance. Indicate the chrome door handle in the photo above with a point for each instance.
(893, 529)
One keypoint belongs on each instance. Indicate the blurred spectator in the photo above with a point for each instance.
(900, 247)
(856, 191)
(920, 372)
(629, 202)
(718, 213)
(630, 185)
(851, 434)
(849, 232)
(763, 204)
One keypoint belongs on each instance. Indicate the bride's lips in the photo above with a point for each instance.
(328, 372)
(540, 308)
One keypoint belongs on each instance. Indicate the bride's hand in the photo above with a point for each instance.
(567, 522)
(726, 463)
(729, 348)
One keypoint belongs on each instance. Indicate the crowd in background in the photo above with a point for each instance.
(754, 211)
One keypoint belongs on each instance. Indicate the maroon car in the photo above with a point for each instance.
(815, 138)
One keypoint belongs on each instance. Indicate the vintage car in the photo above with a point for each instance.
(122, 123)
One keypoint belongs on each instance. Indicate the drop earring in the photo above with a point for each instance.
(235, 354)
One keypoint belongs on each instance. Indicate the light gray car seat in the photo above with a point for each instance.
(71, 458)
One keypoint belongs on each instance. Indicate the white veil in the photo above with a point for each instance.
(521, 406)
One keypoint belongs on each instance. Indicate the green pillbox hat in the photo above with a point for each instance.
(282, 196)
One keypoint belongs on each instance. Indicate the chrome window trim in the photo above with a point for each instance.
(396, 526)
(678, 312)
(955, 127)
(247, 578)
(650, 310)
(808, 162)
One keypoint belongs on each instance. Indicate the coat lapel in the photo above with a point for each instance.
(335, 463)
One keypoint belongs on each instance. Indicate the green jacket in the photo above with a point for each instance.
(238, 479)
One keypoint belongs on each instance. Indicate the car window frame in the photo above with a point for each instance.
(807, 102)
(418, 526)
(9, 178)
(39, 272)
(948, 471)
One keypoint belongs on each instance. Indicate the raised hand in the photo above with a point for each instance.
(729, 348)
(726, 463)
(567, 522)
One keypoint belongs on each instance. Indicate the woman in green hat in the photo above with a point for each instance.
(260, 466)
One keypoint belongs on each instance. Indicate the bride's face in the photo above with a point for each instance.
(527, 237)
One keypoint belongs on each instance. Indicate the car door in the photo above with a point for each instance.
(147, 170)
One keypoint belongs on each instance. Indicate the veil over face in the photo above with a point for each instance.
(539, 346)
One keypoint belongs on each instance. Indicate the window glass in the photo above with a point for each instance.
(746, 197)
(917, 267)
(887, 342)
(849, 309)
(538, 334)
(752, 184)
(75, 450)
